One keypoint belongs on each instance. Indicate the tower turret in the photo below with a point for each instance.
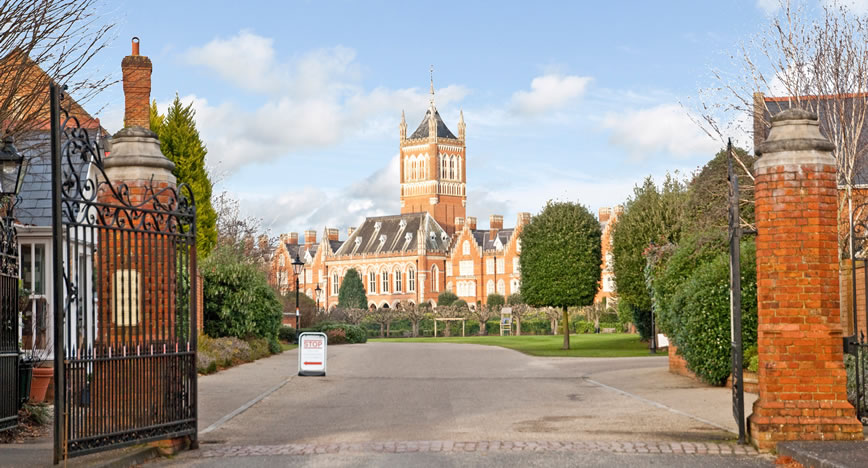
(461, 126)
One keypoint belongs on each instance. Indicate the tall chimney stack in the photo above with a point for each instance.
(137, 88)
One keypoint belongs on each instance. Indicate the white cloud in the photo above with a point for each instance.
(859, 7)
(769, 7)
(312, 208)
(662, 129)
(313, 101)
(549, 92)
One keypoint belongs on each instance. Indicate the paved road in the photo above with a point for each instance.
(431, 404)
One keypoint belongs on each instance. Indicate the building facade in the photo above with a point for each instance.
(606, 292)
(429, 248)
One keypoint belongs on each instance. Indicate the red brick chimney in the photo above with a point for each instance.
(332, 234)
(292, 239)
(309, 238)
(471, 223)
(137, 88)
(605, 213)
(459, 223)
(495, 224)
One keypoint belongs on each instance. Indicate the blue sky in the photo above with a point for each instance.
(299, 102)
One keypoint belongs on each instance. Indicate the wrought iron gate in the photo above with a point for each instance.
(125, 314)
(8, 325)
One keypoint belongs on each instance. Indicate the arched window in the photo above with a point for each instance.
(335, 284)
(435, 278)
(398, 285)
(501, 287)
(514, 286)
(411, 280)
(372, 283)
(452, 168)
(489, 287)
(465, 248)
(385, 282)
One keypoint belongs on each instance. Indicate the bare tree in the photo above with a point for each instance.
(414, 313)
(483, 313)
(43, 41)
(554, 315)
(820, 65)
(383, 317)
(519, 312)
(354, 316)
(240, 232)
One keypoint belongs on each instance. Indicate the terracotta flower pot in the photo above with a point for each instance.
(41, 378)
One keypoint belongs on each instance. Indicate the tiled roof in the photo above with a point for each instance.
(397, 233)
(484, 240)
(422, 130)
(34, 207)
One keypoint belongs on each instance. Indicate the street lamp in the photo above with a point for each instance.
(12, 169)
(297, 268)
(317, 291)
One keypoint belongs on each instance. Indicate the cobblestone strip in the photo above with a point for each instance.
(686, 448)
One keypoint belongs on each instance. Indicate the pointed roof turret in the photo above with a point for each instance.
(461, 125)
(432, 124)
(403, 127)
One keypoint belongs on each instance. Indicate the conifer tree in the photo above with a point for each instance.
(180, 142)
(352, 293)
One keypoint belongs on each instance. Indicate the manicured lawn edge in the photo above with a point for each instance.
(582, 345)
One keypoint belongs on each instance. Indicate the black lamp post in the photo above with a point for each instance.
(317, 291)
(297, 268)
(12, 169)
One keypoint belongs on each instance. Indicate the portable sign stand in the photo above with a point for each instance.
(312, 354)
(506, 321)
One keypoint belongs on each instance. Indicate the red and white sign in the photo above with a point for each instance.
(312, 353)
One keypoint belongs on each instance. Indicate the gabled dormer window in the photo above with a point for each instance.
(402, 224)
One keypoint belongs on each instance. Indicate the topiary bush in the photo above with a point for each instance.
(446, 298)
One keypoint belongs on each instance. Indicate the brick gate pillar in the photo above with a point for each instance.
(802, 382)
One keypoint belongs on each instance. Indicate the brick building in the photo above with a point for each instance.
(429, 248)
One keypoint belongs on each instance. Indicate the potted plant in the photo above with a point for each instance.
(37, 357)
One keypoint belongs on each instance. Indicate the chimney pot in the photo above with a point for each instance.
(293, 238)
(332, 234)
(135, 46)
(309, 237)
(471, 223)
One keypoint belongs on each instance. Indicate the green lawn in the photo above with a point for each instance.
(590, 345)
(287, 346)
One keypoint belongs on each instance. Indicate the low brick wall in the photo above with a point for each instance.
(677, 365)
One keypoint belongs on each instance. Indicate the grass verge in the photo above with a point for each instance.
(584, 345)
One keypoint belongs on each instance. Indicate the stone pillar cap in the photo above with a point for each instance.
(795, 130)
(136, 155)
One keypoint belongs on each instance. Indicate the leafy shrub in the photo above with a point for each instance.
(286, 333)
(226, 351)
(336, 336)
(703, 334)
(614, 325)
(205, 363)
(583, 327)
(274, 346)
(446, 298)
(259, 348)
(350, 333)
(751, 358)
(238, 300)
(495, 300)
(460, 304)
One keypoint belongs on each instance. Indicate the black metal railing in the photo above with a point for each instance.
(9, 349)
(856, 363)
(124, 301)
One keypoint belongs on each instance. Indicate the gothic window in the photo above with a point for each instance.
(398, 285)
(435, 278)
(411, 280)
(499, 266)
(489, 265)
(501, 287)
(452, 168)
(335, 284)
(489, 287)
(385, 282)
(443, 167)
(372, 283)
(465, 248)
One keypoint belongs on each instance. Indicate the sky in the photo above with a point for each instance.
(299, 103)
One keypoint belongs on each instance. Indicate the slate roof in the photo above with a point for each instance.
(775, 105)
(485, 242)
(396, 233)
(300, 249)
(335, 245)
(34, 207)
(442, 130)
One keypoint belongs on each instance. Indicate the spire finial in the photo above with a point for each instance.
(432, 86)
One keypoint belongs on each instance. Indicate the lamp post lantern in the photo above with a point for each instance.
(297, 268)
(317, 291)
(12, 169)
